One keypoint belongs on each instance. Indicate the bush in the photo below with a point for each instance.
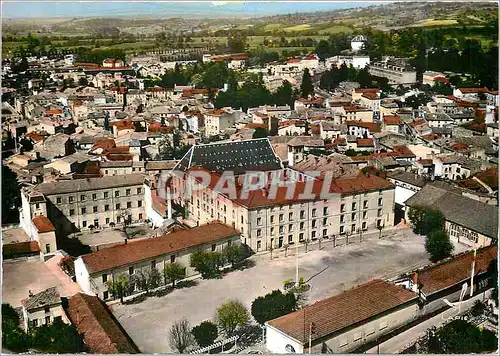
(273, 305)
(205, 333)
(13, 338)
(438, 245)
(461, 337)
(57, 337)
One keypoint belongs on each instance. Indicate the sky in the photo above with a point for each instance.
(70, 9)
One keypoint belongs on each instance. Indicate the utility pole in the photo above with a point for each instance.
(297, 267)
(312, 330)
(473, 270)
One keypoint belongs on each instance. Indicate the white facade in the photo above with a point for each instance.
(279, 343)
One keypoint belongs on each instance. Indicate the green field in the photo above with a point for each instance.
(298, 28)
(336, 29)
(433, 22)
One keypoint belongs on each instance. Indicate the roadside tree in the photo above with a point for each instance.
(273, 305)
(231, 316)
(180, 336)
(438, 245)
(205, 333)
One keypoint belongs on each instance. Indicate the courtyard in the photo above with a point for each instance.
(329, 271)
(22, 276)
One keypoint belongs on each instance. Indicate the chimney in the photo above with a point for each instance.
(30, 293)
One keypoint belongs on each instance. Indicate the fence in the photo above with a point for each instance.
(217, 345)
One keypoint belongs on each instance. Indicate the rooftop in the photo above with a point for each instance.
(455, 270)
(343, 310)
(81, 185)
(133, 252)
(45, 298)
(43, 224)
(100, 330)
(470, 213)
(237, 156)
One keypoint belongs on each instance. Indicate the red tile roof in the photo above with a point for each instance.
(364, 142)
(126, 124)
(34, 136)
(455, 270)
(392, 120)
(370, 95)
(311, 101)
(100, 330)
(473, 90)
(53, 112)
(254, 125)
(371, 126)
(441, 80)
(367, 90)
(293, 60)
(216, 112)
(261, 197)
(105, 144)
(343, 310)
(156, 127)
(21, 248)
(43, 224)
(133, 252)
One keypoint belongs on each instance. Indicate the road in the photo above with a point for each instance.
(401, 341)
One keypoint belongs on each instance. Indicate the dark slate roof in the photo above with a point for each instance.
(47, 297)
(470, 213)
(407, 177)
(236, 156)
(89, 184)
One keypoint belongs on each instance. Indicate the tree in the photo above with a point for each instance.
(118, 287)
(415, 101)
(13, 338)
(273, 305)
(205, 333)
(424, 220)
(260, 133)
(207, 263)
(231, 316)
(323, 50)
(148, 279)
(234, 254)
(438, 245)
(461, 337)
(83, 82)
(180, 336)
(174, 272)
(11, 196)
(306, 87)
(57, 337)
(236, 41)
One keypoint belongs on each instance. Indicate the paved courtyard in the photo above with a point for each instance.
(19, 277)
(330, 270)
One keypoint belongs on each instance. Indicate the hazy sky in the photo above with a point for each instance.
(44, 8)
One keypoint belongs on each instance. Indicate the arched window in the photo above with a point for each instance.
(290, 349)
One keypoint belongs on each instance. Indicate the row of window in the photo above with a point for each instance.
(108, 220)
(343, 340)
(47, 320)
(105, 195)
(95, 209)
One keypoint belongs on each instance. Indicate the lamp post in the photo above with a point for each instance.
(472, 272)
(297, 266)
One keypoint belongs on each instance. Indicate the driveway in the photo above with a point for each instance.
(330, 271)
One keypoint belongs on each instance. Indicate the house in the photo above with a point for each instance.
(362, 129)
(112, 63)
(365, 144)
(358, 43)
(218, 120)
(42, 308)
(330, 130)
(466, 220)
(58, 145)
(431, 77)
(406, 185)
(344, 322)
(371, 101)
(291, 128)
(26, 249)
(100, 330)
(469, 93)
(397, 70)
(94, 270)
(44, 234)
(391, 123)
(357, 113)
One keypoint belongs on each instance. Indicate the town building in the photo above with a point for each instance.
(396, 70)
(100, 330)
(81, 204)
(93, 271)
(467, 220)
(42, 308)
